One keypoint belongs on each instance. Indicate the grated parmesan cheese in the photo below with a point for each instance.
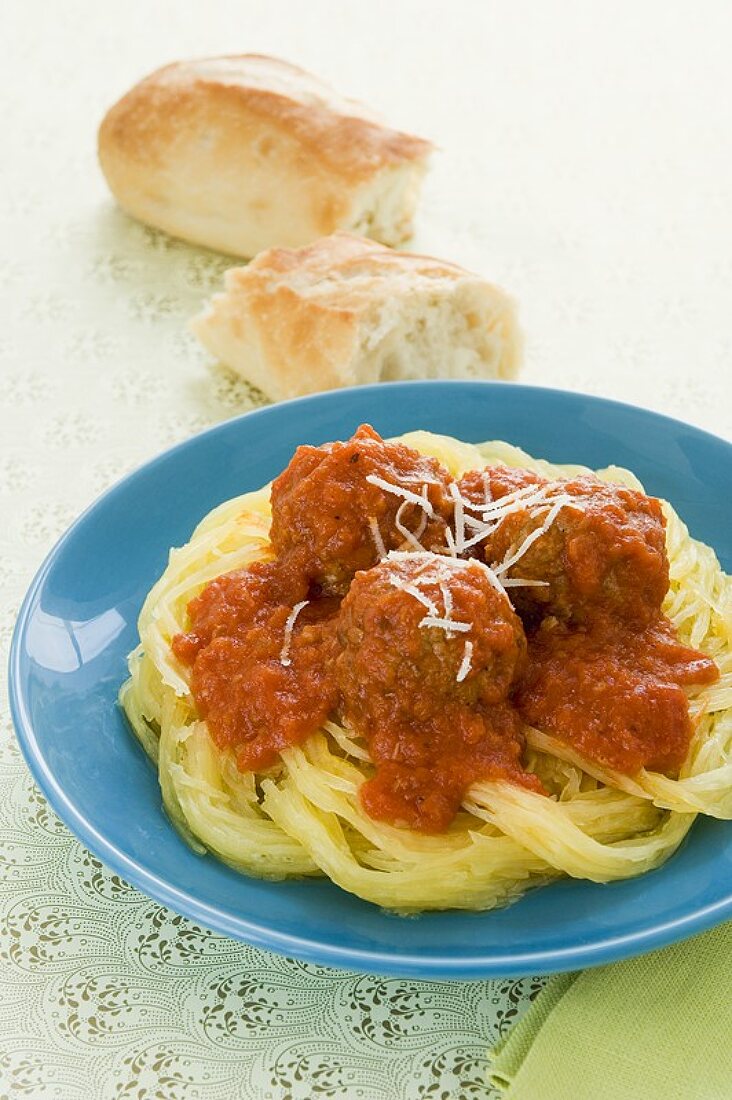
(289, 626)
(494, 580)
(476, 524)
(523, 498)
(411, 537)
(530, 539)
(459, 517)
(376, 536)
(450, 540)
(412, 590)
(445, 624)
(483, 533)
(400, 491)
(493, 512)
(423, 522)
(426, 556)
(466, 662)
(469, 530)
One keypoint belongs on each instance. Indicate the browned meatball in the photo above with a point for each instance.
(393, 656)
(430, 697)
(604, 551)
(335, 520)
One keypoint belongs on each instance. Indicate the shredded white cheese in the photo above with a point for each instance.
(494, 580)
(483, 533)
(493, 512)
(445, 624)
(476, 524)
(376, 536)
(427, 557)
(404, 531)
(450, 540)
(530, 539)
(400, 491)
(436, 570)
(423, 522)
(442, 566)
(439, 563)
(459, 517)
(414, 591)
(466, 662)
(515, 500)
(466, 531)
(289, 625)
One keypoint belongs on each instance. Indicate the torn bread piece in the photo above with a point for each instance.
(345, 311)
(248, 152)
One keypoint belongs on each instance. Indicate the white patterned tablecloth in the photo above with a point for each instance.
(585, 164)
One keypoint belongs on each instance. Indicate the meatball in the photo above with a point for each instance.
(430, 697)
(394, 654)
(334, 520)
(605, 550)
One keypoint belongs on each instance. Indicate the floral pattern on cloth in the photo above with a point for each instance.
(597, 192)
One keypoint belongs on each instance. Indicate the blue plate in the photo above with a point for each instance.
(77, 625)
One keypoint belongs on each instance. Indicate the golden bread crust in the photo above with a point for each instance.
(345, 310)
(242, 153)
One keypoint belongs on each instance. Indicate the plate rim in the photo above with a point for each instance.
(403, 964)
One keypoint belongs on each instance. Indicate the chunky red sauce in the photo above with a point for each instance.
(613, 692)
(257, 697)
(441, 708)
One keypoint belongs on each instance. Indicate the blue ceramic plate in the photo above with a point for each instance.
(78, 623)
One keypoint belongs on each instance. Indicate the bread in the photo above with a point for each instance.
(245, 153)
(345, 310)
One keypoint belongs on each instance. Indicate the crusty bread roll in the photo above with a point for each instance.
(345, 310)
(245, 153)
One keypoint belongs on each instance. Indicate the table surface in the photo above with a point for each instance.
(585, 165)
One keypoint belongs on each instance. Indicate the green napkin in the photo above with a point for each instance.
(654, 1028)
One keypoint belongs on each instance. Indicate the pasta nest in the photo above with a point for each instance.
(304, 818)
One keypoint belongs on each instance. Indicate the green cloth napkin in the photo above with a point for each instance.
(654, 1028)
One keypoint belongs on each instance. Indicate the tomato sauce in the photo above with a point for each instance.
(279, 647)
(423, 769)
(257, 693)
(614, 692)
